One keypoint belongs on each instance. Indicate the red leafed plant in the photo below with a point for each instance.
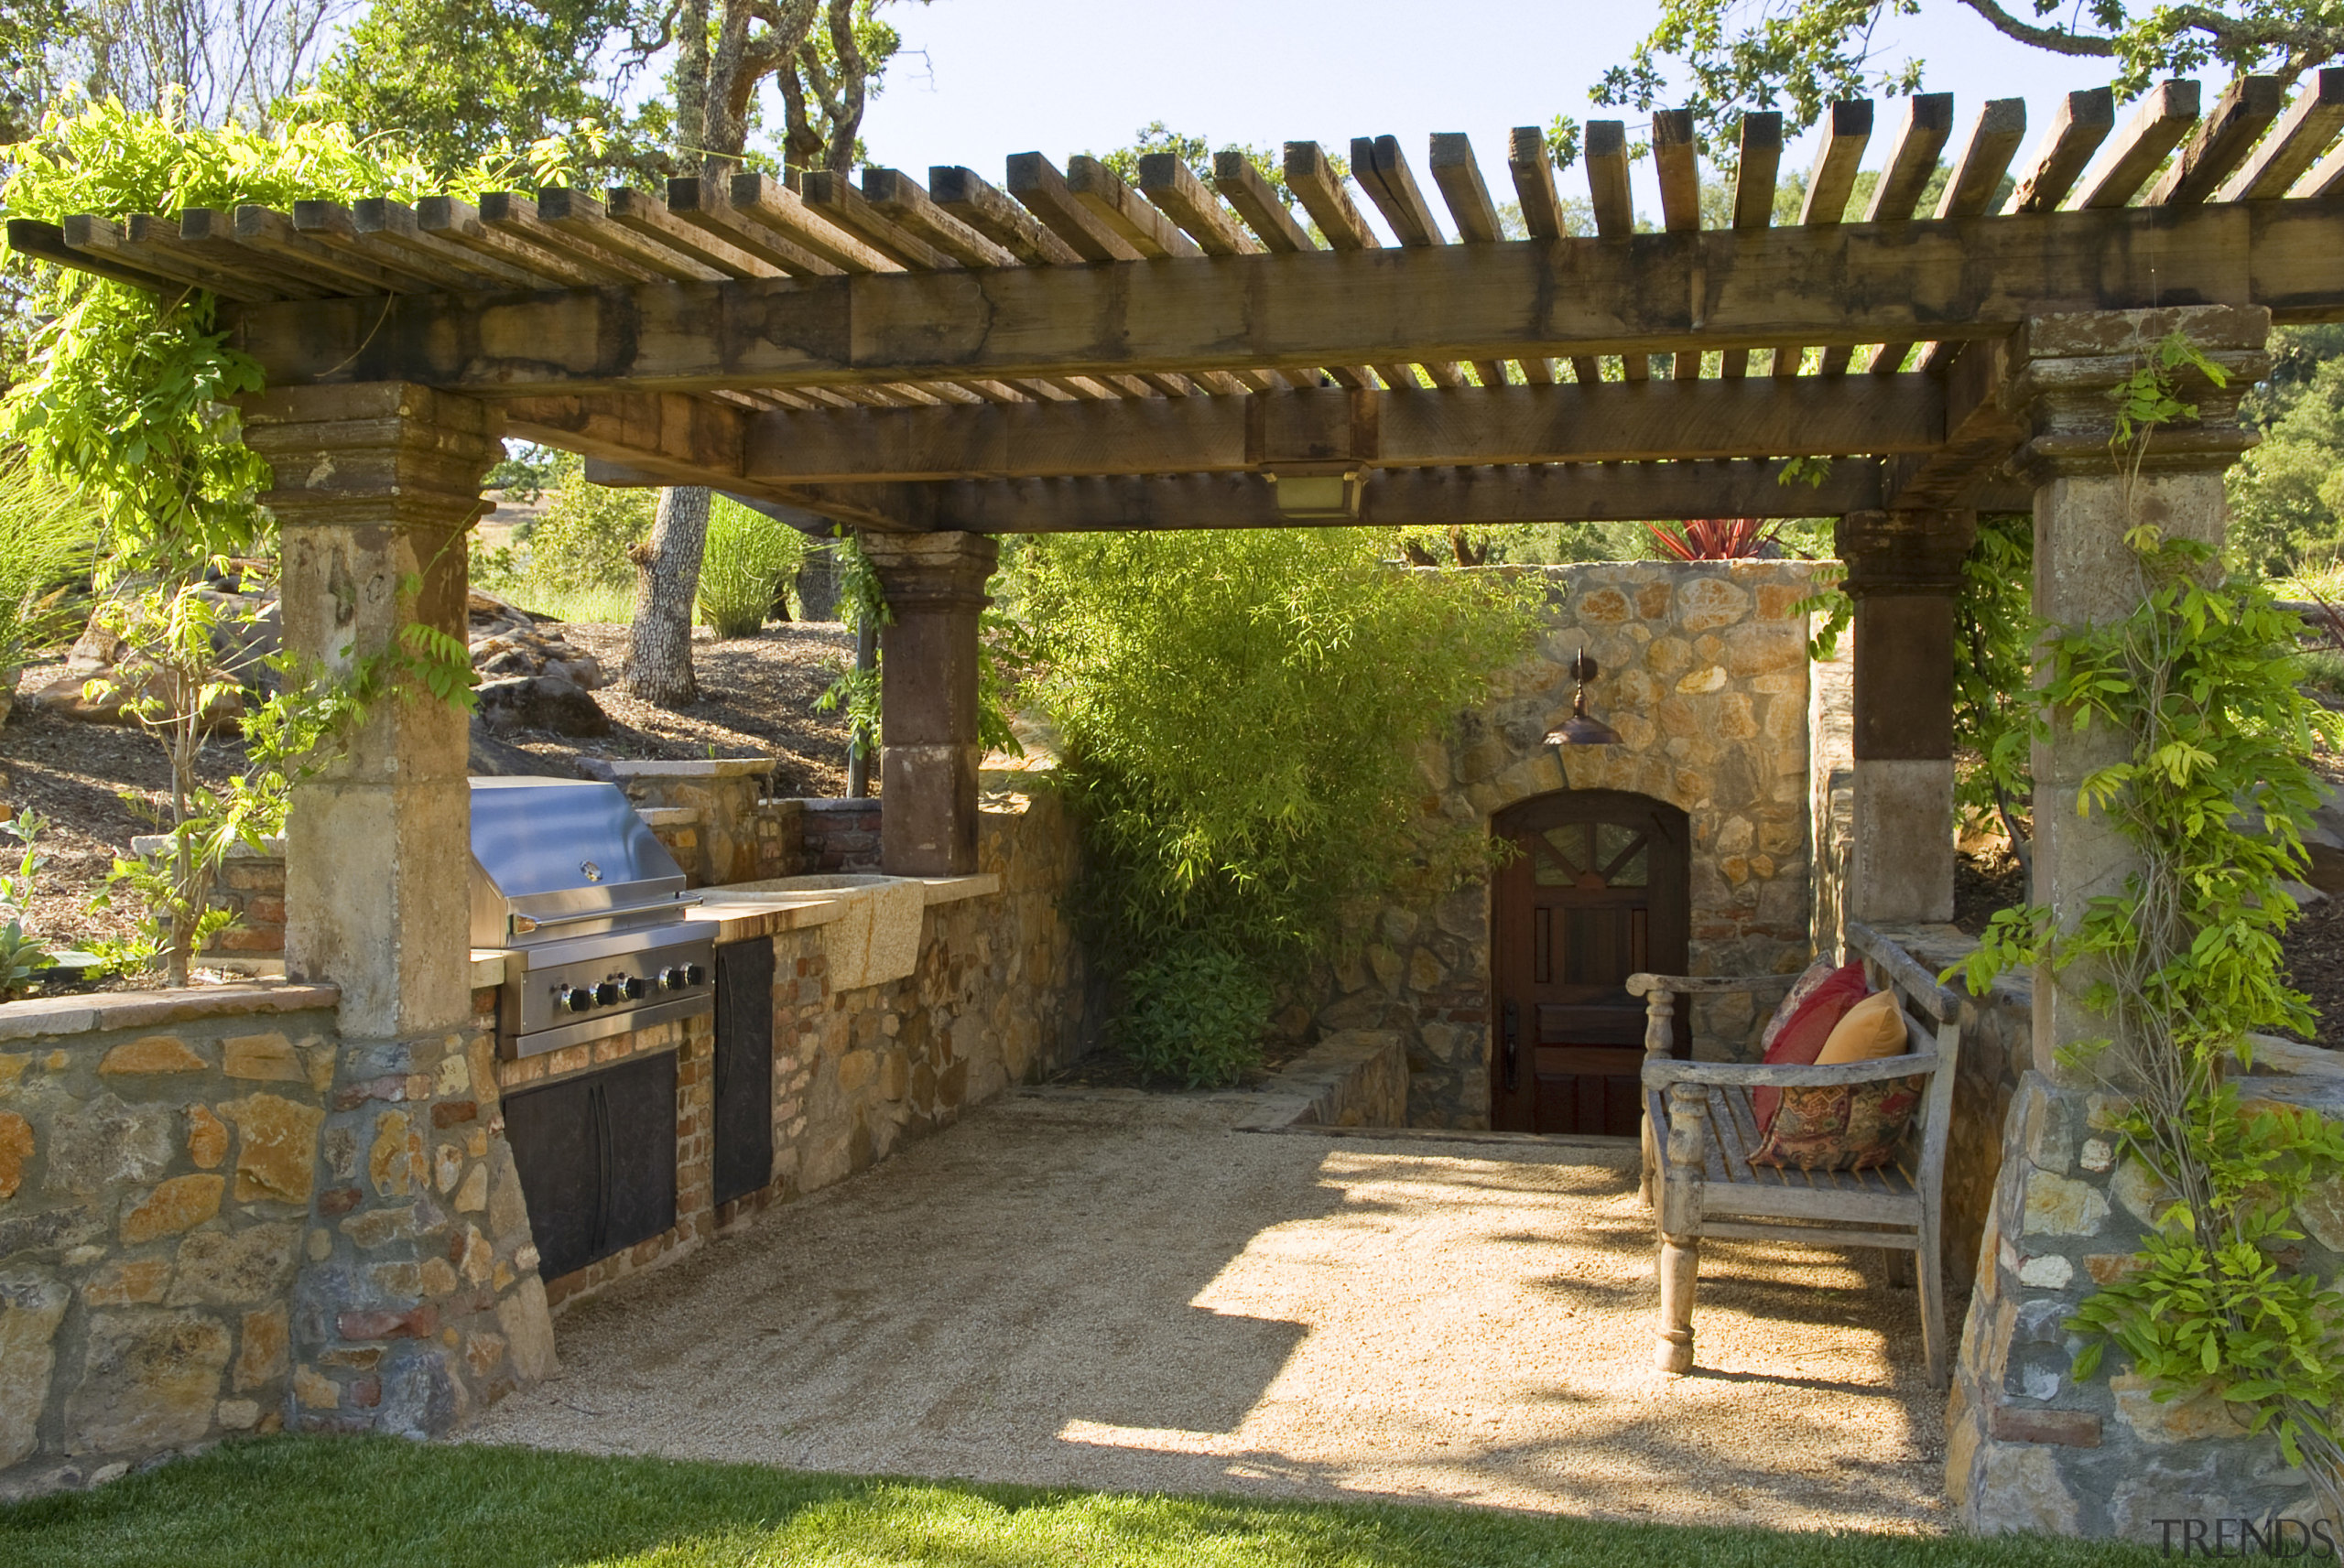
(1715, 538)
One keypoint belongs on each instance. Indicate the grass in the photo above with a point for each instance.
(2325, 581)
(588, 603)
(354, 1502)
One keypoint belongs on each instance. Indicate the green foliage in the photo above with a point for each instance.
(1241, 714)
(1719, 56)
(131, 396)
(2287, 494)
(1994, 660)
(47, 535)
(747, 561)
(2212, 793)
(23, 955)
(583, 538)
(1194, 1012)
(861, 603)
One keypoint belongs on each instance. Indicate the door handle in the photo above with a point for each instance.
(1513, 1042)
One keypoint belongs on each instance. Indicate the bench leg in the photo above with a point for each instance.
(1932, 1293)
(1650, 1166)
(1900, 1267)
(1680, 1268)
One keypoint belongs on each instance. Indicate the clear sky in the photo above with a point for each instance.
(982, 79)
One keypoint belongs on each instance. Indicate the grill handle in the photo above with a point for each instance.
(522, 925)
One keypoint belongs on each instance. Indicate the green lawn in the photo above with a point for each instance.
(350, 1502)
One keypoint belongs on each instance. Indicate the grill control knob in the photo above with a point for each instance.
(674, 979)
(607, 993)
(694, 974)
(633, 987)
(577, 999)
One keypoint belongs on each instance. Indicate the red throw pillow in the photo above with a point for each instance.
(1802, 1039)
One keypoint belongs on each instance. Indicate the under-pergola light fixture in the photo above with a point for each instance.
(1582, 728)
(1307, 494)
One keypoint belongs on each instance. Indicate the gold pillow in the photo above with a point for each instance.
(1871, 1029)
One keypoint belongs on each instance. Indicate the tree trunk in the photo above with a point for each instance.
(818, 584)
(666, 582)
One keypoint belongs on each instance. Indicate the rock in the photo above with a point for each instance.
(16, 1148)
(154, 1054)
(31, 1306)
(178, 1204)
(528, 1324)
(264, 1057)
(493, 758)
(108, 1143)
(277, 1151)
(234, 1268)
(149, 1380)
(541, 702)
(260, 1359)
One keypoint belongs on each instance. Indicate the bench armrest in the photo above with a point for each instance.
(1659, 1072)
(1696, 985)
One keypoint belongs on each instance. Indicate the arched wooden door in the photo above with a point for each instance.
(1599, 889)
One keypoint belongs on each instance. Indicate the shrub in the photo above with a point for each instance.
(47, 540)
(1241, 713)
(583, 537)
(1195, 1013)
(747, 559)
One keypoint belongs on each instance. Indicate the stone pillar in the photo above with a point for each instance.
(935, 585)
(2029, 1447)
(375, 487)
(1903, 570)
(417, 1296)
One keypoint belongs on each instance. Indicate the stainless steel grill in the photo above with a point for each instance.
(588, 908)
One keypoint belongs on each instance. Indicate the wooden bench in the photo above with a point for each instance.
(1699, 1132)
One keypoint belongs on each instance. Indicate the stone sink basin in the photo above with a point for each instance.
(872, 938)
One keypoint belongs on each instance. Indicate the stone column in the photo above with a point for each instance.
(375, 487)
(2029, 1447)
(417, 1296)
(935, 585)
(1903, 570)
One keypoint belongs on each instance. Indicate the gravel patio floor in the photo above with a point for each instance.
(1114, 1289)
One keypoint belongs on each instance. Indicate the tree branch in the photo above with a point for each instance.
(2058, 41)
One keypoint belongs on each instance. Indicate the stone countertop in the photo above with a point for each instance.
(42, 1017)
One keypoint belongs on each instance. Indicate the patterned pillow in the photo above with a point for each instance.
(1803, 1038)
(1840, 1126)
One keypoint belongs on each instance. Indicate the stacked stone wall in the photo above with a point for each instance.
(837, 835)
(1705, 677)
(2028, 1446)
(189, 1211)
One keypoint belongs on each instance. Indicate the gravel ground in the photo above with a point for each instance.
(1111, 1290)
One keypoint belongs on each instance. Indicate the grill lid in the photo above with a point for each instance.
(568, 854)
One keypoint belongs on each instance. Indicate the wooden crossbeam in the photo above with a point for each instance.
(1466, 196)
(899, 199)
(761, 199)
(1759, 161)
(47, 242)
(1677, 162)
(707, 205)
(459, 222)
(1847, 131)
(1311, 177)
(1165, 179)
(574, 223)
(1970, 188)
(2082, 123)
(1844, 284)
(992, 213)
(1604, 147)
(2294, 144)
(1382, 170)
(1533, 171)
(330, 225)
(1116, 204)
(2167, 112)
(1042, 190)
(835, 198)
(1929, 123)
(1979, 436)
(1613, 423)
(2221, 142)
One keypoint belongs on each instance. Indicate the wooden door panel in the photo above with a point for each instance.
(1597, 889)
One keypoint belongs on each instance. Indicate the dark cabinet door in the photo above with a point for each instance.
(744, 1068)
(1598, 888)
(597, 1160)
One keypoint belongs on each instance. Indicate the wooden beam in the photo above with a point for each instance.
(1532, 170)
(761, 199)
(573, 223)
(1042, 190)
(2294, 144)
(2221, 142)
(393, 226)
(459, 222)
(1604, 147)
(1142, 226)
(1845, 284)
(1677, 161)
(46, 242)
(2167, 111)
(1256, 201)
(1981, 434)
(961, 193)
(1847, 131)
(707, 205)
(1758, 167)
(1928, 126)
(1970, 188)
(1165, 179)
(209, 235)
(899, 199)
(650, 219)
(1470, 426)
(835, 198)
(2083, 122)
(1576, 493)
(1459, 175)
(669, 432)
(1310, 175)
(1382, 170)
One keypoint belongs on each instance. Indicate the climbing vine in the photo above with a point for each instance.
(2211, 792)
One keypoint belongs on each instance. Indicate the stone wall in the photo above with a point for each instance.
(839, 835)
(1831, 787)
(1705, 676)
(2028, 1447)
(175, 1190)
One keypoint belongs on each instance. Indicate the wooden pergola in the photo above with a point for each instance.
(936, 365)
